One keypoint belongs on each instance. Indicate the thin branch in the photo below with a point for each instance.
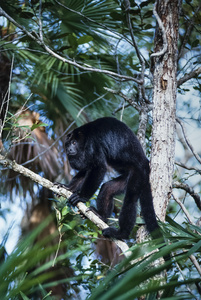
(187, 140)
(183, 208)
(101, 25)
(187, 64)
(40, 21)
(129, 100)
(162, 28)
(120, 107)
(189, 76)
(87, 105)
(142, 94)
(62, 192)
(188, 31)
(2, 122)
(187, 167)
(83, 67)
(190, 191)
(139, 55)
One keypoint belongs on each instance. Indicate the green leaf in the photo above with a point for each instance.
(24, 297)
(84, 39)
(72, 41)
(34, 126)
(65, 211)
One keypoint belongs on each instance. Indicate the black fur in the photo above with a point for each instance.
(109, 142)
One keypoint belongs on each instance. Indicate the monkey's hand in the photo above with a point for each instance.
(60, 185)
(75, 198)
(111, 232)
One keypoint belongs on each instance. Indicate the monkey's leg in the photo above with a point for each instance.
(107, 192)
(127, 216)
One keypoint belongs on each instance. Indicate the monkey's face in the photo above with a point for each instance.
(74, 143)
(71, 144)
(72, 148)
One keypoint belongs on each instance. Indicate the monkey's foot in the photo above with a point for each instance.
(111, 232)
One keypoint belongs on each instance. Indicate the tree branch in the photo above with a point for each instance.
(162, 28)
(183, 208)
(139, 55)
(83, 67)
(64, 193)
(187, 141)
(128, 100)
(101, 25)
(142, 94)
(188, 31)
(7, 95)
(188, 76)
(40, 21)
(188, 189)
(187, 167)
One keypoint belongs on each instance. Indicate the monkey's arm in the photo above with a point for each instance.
(90, 184)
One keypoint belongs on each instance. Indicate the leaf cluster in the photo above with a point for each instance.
(21, 275)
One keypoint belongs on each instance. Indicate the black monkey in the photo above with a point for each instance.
(109, 142)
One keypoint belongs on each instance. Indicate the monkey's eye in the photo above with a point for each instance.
(74, 142)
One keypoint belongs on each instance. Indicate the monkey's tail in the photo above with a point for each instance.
(148, 212)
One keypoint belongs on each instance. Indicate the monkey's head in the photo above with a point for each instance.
(74, 145)
(71, 144)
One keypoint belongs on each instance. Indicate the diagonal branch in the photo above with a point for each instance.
(189, 76)
(34, 36)
(190, 191)
(142, 94)
(129, 100)
(187, 141)
(139, 55)
(187, 167)
(62, 192)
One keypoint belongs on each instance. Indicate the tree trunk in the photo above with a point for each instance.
(164, 110)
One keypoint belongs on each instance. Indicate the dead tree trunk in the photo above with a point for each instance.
(164, 100)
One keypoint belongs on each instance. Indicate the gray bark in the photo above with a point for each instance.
(164, 101)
